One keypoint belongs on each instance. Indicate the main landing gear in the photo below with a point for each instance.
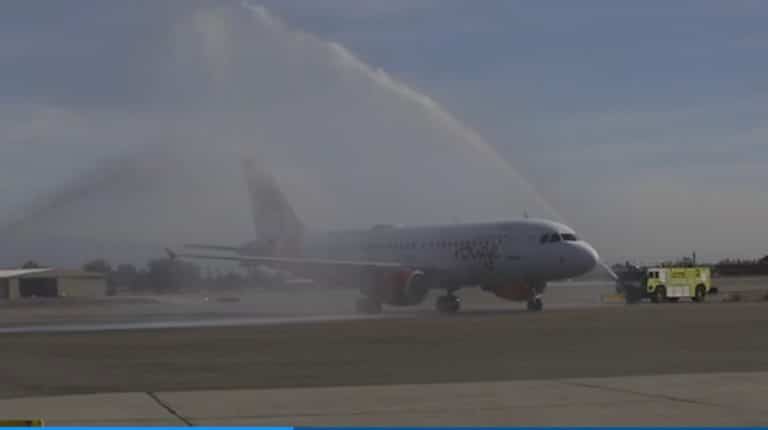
(448, 304)
(535, 304)
(368, 305)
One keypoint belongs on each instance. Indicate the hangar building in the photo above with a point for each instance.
(21, 283)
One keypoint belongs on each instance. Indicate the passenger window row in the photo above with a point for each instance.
(434, 244)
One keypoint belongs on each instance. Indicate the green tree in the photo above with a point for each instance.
(124, 276)
(98, 266)
(187, 274)
(161, 275)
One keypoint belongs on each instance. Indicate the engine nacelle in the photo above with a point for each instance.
(417, 288)
(400, 288)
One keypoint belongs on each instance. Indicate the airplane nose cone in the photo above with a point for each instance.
(588, 258)
(583, 259)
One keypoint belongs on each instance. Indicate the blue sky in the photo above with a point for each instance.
(643, 123)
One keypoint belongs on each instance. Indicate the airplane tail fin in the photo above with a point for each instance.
(276, 223)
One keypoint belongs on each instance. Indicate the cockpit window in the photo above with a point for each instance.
(556, 237)
(569, 237)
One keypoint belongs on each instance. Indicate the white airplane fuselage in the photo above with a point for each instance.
(466, 254)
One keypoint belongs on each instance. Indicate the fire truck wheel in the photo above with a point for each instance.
(701, 294)
(660, 295)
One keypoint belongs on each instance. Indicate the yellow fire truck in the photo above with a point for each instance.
(662, 284)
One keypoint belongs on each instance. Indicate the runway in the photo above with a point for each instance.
(174, 324)
(249, 309)
(493, 359)
(275, 307)
(477, 346)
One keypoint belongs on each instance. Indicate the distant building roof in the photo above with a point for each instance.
(65, 273)
(49, 273)
(15, 273)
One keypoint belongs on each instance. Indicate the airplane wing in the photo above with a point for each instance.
(214, 247)
(349, 273)
(302, 262)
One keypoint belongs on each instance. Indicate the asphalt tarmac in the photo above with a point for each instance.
(280, 307)
(416, 348)
(290, 357)
(241, 308)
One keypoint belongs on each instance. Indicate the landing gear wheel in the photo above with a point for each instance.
(449, 304)
(535, 305)
(701, 294)
(632, 296)
(367, 305)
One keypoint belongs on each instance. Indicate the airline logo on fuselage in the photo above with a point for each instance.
(486, 252)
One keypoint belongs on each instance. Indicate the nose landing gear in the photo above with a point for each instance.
(534, 299)
(535, 304)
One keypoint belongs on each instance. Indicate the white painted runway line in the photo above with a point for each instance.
(171, 321)
(167, 324)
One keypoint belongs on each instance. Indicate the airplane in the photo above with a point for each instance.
(399, 266)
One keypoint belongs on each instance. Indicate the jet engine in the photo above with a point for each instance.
(399, 288)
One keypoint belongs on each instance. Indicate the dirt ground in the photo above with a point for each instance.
(480, 345)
